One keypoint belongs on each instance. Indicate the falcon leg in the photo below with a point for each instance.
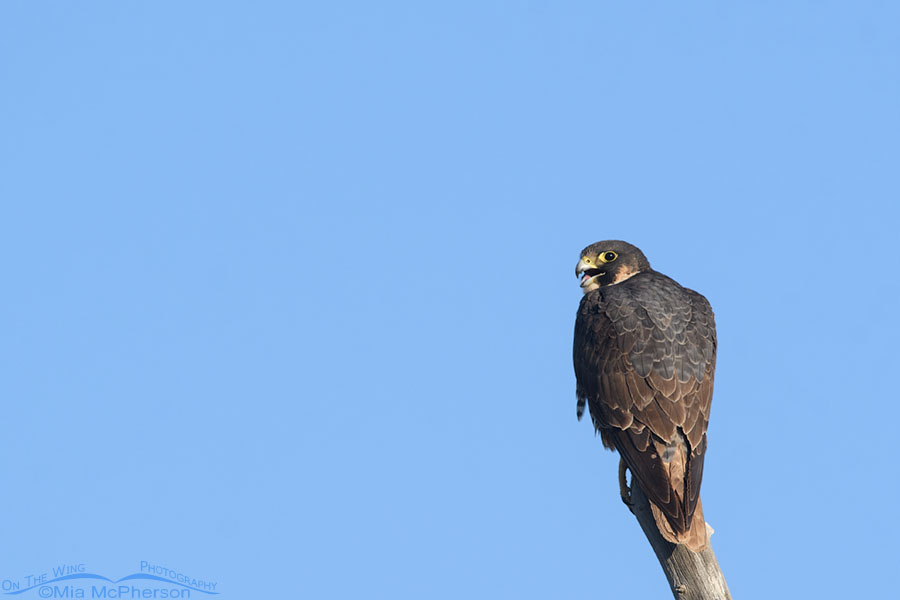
(624, 489)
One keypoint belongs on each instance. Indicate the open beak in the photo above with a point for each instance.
(581, 267)
(587, 272)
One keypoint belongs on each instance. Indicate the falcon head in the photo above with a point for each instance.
(609, 263)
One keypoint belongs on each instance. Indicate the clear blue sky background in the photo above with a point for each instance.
(288, 288)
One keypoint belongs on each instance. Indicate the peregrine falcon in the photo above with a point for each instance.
(645, 356)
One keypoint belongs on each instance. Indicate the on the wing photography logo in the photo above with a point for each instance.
(75, 581)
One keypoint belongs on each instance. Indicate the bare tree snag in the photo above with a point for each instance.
(691, 575)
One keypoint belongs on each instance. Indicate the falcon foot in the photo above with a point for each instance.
(624, 489)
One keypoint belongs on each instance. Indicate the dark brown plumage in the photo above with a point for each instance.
(645, 356)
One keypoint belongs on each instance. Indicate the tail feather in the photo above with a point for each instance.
(696, 538)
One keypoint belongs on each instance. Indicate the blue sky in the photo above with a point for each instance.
(289, 290)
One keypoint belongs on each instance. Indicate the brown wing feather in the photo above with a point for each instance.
(644, 359)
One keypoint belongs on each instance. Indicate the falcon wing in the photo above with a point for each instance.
(644, 361)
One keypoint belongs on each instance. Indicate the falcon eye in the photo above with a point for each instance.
(608, 256)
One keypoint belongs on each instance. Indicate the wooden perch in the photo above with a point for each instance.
(691, 575)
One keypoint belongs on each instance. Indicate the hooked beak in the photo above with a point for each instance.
(588, 272)
(581, 267)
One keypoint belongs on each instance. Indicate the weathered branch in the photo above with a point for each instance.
(691, 575)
